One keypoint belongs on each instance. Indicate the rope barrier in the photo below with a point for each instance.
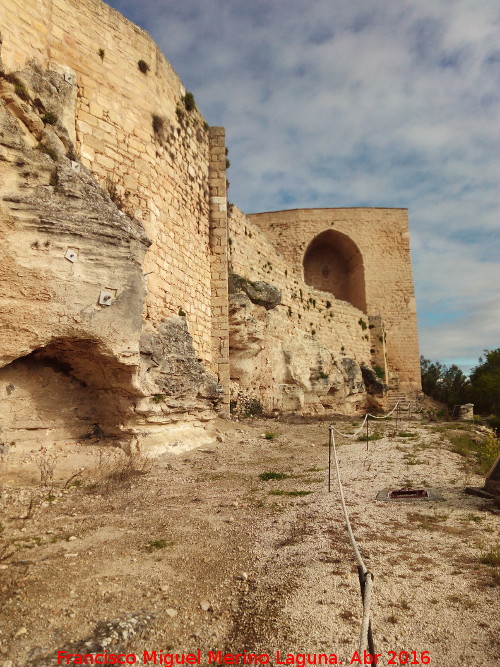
(368, 415)
(365, 577)
(364, 636)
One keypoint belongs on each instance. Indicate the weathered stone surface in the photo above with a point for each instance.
(283, 369)
(259, 292)
(466, 412)
(373, 384)
(170, 365)
(72, 364)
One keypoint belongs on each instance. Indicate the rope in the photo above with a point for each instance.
(365, 623)
(365, 577)
(351, 435)
(344, 508)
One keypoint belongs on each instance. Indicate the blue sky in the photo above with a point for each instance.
(348, 103)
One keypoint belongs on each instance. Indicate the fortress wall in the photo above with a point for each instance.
(383, 239)
(335, 322)
(160, 177)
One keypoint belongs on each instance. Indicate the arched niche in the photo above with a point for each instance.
(333, 263)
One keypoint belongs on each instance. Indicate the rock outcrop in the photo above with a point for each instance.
(279, 368)
(76, 357)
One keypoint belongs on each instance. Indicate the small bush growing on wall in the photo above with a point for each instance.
(48, 151)
(49, 118)
(19, 87)
(158, 124)
(379, 372)
(189, 102)
(101, 53)
(143, 66)
(362, 323)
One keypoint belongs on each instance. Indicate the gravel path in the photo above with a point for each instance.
(215, 558)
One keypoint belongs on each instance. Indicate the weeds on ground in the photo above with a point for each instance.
(46, 462)
(490, 576)
(271, 474)
(491, 558)
(374, 436)
(270, 435)
(296, 535)
(289, 493)
(411, 460)
(154, 545)
(481, 455)
(431, 522)
(115, 470)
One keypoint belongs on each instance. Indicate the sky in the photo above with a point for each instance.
(331, 103)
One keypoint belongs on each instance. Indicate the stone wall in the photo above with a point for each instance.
(104, 155)
(333, 322)
(89, 347)
(136, 136)
(382, 239)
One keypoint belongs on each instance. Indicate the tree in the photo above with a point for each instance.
(448, 385)
(484, 389)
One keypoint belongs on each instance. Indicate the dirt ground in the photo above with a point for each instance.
(197, 552)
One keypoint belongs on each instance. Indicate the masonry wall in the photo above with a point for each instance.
(159, 174)
(334, 323)
(382, 237)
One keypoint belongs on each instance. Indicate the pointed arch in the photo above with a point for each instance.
(333, 263)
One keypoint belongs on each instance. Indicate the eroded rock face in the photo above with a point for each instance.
(76, 357)
(259, 292)
(285, 369)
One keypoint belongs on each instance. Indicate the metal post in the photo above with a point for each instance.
(367, 420)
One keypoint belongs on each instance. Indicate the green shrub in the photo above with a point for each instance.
(271, 474)
(48, 151)
(154, 545)
(49, 118)
(289, 493)
(252, 407)
(189, 102)
(373, 436)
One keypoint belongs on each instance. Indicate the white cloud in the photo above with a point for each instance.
(335, 103)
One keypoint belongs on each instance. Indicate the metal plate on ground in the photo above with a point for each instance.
(408, 495)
